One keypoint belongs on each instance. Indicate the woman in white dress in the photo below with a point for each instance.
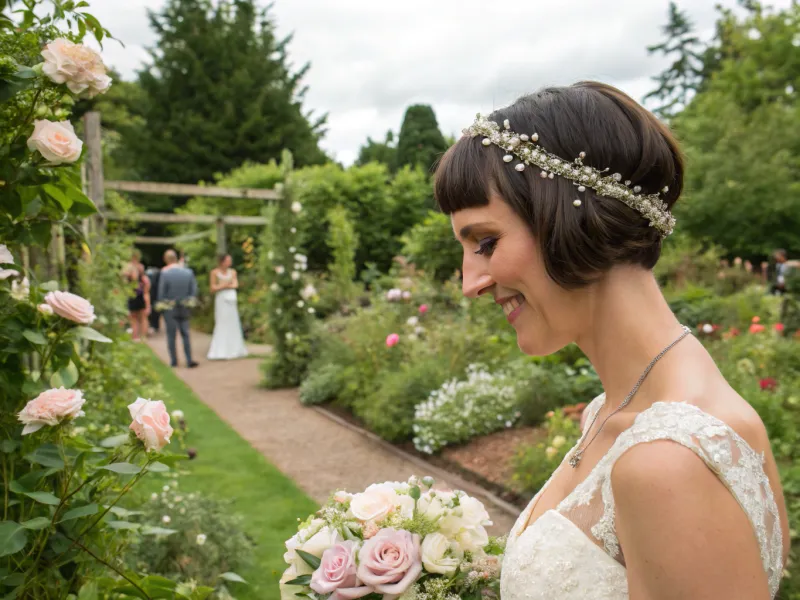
(561, 202)
(228, 340)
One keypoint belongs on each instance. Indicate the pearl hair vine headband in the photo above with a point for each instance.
(526, 149)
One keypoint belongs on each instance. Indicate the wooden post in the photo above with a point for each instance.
(94, 164)
(222, 243)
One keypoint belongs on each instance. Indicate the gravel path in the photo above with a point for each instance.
(319, 454)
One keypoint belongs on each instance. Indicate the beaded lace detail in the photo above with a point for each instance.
(573, 552)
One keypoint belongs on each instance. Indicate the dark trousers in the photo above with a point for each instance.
(175, 324)
(154, 318)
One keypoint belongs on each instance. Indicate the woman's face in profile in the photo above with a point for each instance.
(502, 259)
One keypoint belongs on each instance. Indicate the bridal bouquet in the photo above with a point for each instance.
(394, 540)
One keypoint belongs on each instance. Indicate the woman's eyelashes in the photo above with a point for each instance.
(486, 246)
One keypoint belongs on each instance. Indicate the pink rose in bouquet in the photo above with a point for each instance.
(336, 574)
(390, 562)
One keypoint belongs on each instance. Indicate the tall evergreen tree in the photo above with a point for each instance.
(683, 78)
(420, 142)
(219, 92)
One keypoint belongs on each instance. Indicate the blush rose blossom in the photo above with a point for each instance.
(151, 423)
(423, 308)
(51, 408)
(392, 339)
(336, 574)
(71, 307)
(77, 66)
(56, 141)
(390, 562)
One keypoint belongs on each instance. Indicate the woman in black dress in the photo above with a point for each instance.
(139, 302)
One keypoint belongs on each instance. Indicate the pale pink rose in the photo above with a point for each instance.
(80, 67)
(392, 339)
(374, 504)
(342, 497)
(45, 309)
(423, 308)
(6, 258)
(51, 408)
(150, 423)
(56, 141)
(336, 574)
(390, 562)
(71, 307)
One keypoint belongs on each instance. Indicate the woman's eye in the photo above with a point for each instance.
(486, 246)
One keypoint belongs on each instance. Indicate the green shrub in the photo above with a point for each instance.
(343, 243)
(201, 539)
(321, 385)
(554, 385)
(431, 247)
(389, 409)
(533, 464)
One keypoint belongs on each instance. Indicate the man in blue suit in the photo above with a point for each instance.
(176, 285)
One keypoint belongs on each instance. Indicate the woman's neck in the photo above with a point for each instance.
(630, 323)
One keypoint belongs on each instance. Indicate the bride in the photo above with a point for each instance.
(227, 341)
(561, 202)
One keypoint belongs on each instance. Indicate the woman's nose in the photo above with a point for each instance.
(476, 279)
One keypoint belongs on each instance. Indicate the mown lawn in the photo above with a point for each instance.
(227, 467)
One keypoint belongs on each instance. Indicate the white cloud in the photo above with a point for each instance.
(369, 60)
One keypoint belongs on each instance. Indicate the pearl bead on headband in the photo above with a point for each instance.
(526, 150)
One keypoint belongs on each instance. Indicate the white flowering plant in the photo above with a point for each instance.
(459, 410)
(395, 540)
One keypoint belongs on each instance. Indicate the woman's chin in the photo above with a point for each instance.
(537, 345)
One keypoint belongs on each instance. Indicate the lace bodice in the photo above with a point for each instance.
(572, 552)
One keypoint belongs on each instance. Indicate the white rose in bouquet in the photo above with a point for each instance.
(377, 502)
(439, 555)
(323, 538)
(467, 524)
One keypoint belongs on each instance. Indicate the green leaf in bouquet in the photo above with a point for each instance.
(230, 576)
(302, 580)
(37, 523)
(87, 333)
(8, 446)
(115, 441)
(311, 560)
(123, 468)
(47, 455)
(44, 498)
(13, 538)
(80, 512)
(34, 337)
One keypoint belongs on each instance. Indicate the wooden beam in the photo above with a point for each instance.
(171, 240)
(180, 189)
(143, 217)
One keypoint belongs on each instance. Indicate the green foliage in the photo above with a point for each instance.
(697, 305)
(381, 152)
(430, 246)
(553, 385)
(420, 142)
(742, 188)
(231, 92)
(343, 244)
(206, 539)
(321, 385)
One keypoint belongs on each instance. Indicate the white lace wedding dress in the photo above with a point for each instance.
(572, 552)
(227, 341)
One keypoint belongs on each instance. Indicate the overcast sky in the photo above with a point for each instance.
(372, 58)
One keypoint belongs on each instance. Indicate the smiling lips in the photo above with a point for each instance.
(512, 306)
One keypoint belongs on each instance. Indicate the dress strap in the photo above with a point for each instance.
(727, 455)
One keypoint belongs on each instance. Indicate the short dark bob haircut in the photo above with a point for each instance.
(578, 245)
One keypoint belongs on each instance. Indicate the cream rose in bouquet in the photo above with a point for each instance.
(394, 540)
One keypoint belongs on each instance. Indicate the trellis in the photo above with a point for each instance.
(96, 186)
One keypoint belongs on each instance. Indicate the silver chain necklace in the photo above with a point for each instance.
(577, 453)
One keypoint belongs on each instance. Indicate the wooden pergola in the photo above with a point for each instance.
(96, 186)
